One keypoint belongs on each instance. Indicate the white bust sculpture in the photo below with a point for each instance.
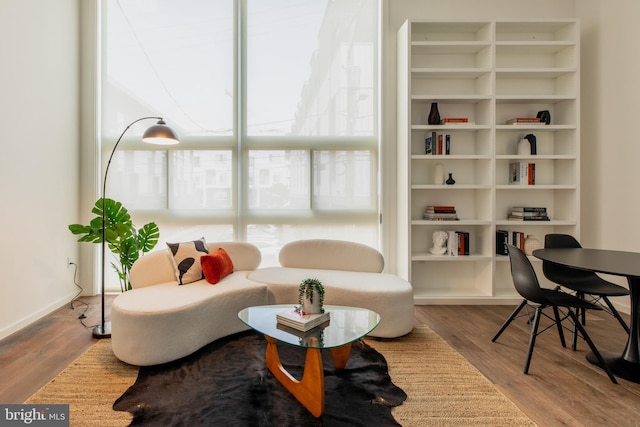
(439, 242)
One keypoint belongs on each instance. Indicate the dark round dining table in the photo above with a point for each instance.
(619, 263)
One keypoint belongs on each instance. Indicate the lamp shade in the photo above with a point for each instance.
(160, 134)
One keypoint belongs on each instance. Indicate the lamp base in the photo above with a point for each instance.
(102, 331)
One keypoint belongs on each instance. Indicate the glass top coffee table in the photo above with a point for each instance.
(346, 325)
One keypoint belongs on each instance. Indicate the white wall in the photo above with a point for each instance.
(610, 92)
(38, 157)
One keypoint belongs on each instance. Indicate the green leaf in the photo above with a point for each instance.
(148, 237)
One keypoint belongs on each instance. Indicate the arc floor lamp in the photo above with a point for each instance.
(159, 134)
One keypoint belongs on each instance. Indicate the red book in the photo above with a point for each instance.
(440, 208)
(455, 120)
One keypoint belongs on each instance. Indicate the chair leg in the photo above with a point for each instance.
(574, 346)
(509, 320)
(593, 347)
(616, 314)
(532, 339)
(556, 313)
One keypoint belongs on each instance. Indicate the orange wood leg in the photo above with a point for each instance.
(341, 356)
(310, 389)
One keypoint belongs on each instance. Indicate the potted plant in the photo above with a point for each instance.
(125, 241)
(311, 296)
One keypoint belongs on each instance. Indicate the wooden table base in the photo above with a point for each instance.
(310, 389)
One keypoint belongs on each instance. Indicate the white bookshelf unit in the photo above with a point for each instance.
(488, 72)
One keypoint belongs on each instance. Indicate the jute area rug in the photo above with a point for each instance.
(443, 388)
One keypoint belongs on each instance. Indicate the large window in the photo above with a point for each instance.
(276, 106)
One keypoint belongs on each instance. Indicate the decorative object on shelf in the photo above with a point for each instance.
(544, 116)
(434, 115)
(439, 242)
(450, 180)
(438, 174)
(311, 296)
(524, 147)
(531, 244)
(159, 134)
(533, 145)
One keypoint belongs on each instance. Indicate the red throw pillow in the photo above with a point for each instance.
(216, 265)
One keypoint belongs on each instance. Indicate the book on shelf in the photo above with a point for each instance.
(516, 238)
(524, 121)
(452, 243)
(428, 145)
(440, 217)
(522, 173)
(440, 209)
(456, 121)
(437, 144)
(440, 213)
(302, 322)
(528, 218)
(541, 209)
(464, 242)
(502, 240)
(528, 214)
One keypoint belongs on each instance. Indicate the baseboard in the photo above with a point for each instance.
(15, 327)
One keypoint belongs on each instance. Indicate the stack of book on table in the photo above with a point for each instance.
(528, 213)
(440, 213)
(295, 319)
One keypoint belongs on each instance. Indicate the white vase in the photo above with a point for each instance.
(438, 174)
(311, 307)
(524, 147)
(531, 244)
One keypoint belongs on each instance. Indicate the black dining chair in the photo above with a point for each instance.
(538, 298)
(583, 283)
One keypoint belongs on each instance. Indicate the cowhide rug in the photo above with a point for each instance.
(227, 384)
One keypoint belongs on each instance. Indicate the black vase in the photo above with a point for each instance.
(450, 180)
(434, 115)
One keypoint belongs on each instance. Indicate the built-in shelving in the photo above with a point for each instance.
(489, 72)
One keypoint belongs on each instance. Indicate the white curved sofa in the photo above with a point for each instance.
(351, 274)
(159, 321)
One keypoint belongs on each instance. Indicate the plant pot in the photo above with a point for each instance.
(312, 307)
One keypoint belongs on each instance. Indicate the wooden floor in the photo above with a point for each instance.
(562, 388)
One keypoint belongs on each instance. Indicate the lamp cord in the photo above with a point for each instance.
(83, 315)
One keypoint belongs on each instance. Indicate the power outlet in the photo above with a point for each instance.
(68, 262)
